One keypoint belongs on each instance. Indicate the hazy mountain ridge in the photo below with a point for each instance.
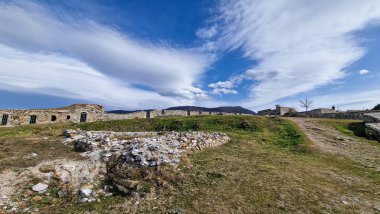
(228, 109)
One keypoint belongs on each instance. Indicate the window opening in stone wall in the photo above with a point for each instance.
(199, 112)
(53, 118)
(188, 113)
(162, 111)
(4, 120)
(83, 117)
(148, 114)
(33, 119)
(68, 117)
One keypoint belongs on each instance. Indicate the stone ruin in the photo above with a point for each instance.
(75, 113)
(372, 126)
(116, 157)
(279, 111)
(79, 113)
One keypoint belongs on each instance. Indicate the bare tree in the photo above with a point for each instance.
(306, 103)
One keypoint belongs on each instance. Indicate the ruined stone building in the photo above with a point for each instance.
(279, 111)
(79, 113)
(75, 113)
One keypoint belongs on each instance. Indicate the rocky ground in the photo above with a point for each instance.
(115, 157)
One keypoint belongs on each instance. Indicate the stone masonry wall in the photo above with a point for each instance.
(58, 115)
(110, 116)
(353, 115)
(93, 113)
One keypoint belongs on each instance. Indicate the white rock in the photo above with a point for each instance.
(40, 187)
(86, 192)
(34, 154)
(83, 200)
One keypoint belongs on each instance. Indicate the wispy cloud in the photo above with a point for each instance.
(344, 101)
(364, 71)
(226, 87)
(74, 54)
(62, 76)
(299, 45)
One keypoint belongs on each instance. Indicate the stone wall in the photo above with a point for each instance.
(352, 115)
(13, 117)
(373, 117)
(267, 112)
(138, 114)
(322, 111)
(372, 131)
(93, 113)
(280, 111)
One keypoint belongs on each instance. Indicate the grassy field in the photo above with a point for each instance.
(269, 166)
(352, 128)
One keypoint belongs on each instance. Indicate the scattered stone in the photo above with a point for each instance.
(40, 187)
(61, 193)
(135, 195)
(176, 211)
(377, 208)
(86, 192)
(83, 200)
(70, 133)
(46, 168)
(34, 155)
(109, 156)
(37, 198)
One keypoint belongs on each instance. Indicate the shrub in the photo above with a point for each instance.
(377, 107)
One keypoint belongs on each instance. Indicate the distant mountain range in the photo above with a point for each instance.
(228, 109)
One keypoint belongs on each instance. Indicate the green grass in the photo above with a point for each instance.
(353, 128)
(350, 128)
(269, 166)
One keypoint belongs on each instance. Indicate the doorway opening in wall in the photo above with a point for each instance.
(188, 112)
(4, 120)
(53, 118)
(148, 114)
(68, 117)
(33, 119)
(83, 117)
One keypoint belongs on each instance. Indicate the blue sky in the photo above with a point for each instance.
(156, 54)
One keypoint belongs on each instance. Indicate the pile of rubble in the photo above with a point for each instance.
(111, 155)
(126, 161)
(147, 148)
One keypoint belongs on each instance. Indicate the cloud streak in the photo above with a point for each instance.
(95, 51)
(299, 45)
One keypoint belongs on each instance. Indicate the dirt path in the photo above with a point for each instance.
(329, 140)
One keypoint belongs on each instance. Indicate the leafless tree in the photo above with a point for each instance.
(306, 103)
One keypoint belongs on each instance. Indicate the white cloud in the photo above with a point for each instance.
(226, 84)
(299, 45)
(62, 76)
(220, 91)
(356, 100)
(29, 34)
(207, 33)
(362, 72)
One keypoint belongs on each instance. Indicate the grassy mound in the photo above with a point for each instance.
(269, 166)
